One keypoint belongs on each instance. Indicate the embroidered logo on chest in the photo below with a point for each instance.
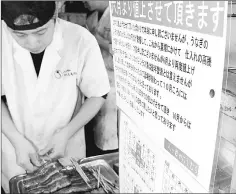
(67, 73)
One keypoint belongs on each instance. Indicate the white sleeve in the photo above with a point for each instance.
(94, 78)
(1, 83)
(3, 55)
(2, 91)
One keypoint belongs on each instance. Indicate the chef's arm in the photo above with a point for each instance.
(26, 156)
(102, 42)
(88, 110)
(8, 127)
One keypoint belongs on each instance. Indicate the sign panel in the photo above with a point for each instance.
(169, 59)
(145, 168)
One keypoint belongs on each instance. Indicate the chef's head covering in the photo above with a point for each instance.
(27, 15)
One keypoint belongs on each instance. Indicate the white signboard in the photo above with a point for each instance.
(145, 168)
(169, 59)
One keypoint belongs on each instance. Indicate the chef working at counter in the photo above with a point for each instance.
(48, 66)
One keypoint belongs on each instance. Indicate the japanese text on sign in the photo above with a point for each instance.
(138, 156)
(171, 182)
(203, 16)
(182, 157)
(166, 61)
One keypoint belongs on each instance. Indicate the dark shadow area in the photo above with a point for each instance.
(91, 148)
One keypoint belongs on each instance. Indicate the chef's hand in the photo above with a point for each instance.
(56, 147)
(26, 155)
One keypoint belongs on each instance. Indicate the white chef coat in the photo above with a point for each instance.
(40, 105)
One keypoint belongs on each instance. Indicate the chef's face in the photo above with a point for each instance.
(36, 40)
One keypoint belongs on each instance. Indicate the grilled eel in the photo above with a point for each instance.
(77, 183)
(54, 185)
(46, 179)
(42, 174)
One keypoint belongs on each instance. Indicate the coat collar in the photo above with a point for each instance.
(56, 44)
(52, 56)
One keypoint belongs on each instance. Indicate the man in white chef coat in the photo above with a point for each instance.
(46, 64)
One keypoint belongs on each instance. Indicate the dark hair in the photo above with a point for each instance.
(27, 15)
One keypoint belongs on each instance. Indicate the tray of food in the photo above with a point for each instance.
(90, 177)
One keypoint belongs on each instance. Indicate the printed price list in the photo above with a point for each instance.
(171, 183)
(139, 158)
